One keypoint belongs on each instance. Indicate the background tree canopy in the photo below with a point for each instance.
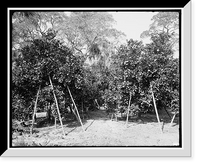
(165, 22)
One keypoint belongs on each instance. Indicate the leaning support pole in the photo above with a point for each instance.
(57, 107)
(75, 108)
(74, 113)
(173, 118)
(154, 102)
(34, 111)
(128, 109)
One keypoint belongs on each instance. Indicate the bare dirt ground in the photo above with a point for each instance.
(101, 131)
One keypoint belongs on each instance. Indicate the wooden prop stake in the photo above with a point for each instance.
(154, 102)
(57, 107)
(173, 118)
(75, 108)
(34, 111)
(128, 110)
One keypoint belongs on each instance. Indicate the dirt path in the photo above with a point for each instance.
(101, 131)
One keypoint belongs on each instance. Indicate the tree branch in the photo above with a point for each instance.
(73, 44)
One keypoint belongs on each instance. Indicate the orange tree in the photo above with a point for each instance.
(140, 66)
(163, 71)
(40, 60)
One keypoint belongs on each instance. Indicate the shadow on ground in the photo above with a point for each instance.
(102, 115)
(145, 118)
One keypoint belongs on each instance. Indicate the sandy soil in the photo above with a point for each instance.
(101, 131)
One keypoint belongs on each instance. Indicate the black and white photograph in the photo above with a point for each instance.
(98, 82)
(95, 78)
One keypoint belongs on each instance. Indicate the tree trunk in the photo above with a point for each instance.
(167, 113)
(49, 112)
(97, 103)
(82, 109)
(128, 109)
(57, 106)
(34, 112)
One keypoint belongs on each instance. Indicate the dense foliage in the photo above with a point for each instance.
(141, 69)
(101, 73)
(42, 60)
